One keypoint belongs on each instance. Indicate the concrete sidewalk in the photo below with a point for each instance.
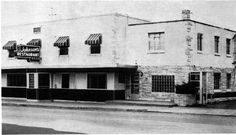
(113, 106)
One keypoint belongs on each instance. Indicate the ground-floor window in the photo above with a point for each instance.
(228, 81)
(163, 83)
(65, 82)
(216, 80)
(16, 80)
(98, 81)
(121, 78)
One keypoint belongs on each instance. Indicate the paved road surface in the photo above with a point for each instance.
(116, 122)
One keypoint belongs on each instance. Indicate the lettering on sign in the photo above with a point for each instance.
(28, 52)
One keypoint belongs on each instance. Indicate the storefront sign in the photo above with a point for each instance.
(28, 52)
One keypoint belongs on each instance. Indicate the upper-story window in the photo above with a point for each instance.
(156, 41)
(37, 30)
(11, 47)
(95, 41)
(228, 46)
(63, 43)
(199, 41)
(217, 44)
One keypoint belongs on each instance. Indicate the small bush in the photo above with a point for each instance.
(187, 88)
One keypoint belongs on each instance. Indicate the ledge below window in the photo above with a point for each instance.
(228, 56)
(199, 52)
(156, 52)
(217, 54)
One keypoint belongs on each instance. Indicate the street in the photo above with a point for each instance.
(81, 121)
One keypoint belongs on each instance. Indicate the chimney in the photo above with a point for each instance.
(186, 14)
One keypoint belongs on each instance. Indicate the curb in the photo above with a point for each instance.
(110, 109)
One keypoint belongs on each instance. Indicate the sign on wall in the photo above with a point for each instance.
(28, 52)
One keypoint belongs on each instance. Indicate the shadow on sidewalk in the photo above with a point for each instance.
(17, 129)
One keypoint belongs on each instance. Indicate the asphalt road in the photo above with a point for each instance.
(80, 121)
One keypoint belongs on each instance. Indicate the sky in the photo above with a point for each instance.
(219, 13)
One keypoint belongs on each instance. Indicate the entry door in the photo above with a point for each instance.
(200, 82)
(43, 91)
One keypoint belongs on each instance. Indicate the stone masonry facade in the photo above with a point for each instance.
(181, 74)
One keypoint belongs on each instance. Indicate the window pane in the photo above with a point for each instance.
(63, 50)
(97, 81)
(156, 41)
(216, 80)
(228, 83)
(163, 83)
(65, 81)
(95, 49)
(16, 79)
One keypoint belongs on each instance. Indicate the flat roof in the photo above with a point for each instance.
(172, 21)
(82, 17)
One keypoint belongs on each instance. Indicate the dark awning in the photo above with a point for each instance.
(94, 39)
(35, 42)
(62, 42)
(10, 45)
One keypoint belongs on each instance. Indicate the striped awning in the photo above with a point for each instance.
(62, 42)
(35, 42)
(94, 39)
(10, 45)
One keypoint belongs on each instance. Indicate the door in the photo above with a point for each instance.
(43, 87)
(199, 80)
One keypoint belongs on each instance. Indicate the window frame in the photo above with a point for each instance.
(37, 32)
(94, 47)
(228, 82)
(228, 46)
(199, 42)
(158, 45)
(98, 82)
(64, 50)
(216, 45)
(65, 85)
(217, 86)
(166, 85)
(22, 80)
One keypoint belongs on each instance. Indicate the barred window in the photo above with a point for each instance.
(163, 83)
(199, 42)
(16, 79)
(156, 41)
(216, 80)
(228, 46)
(228, 81)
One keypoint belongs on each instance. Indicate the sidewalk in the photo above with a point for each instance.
(113, 106)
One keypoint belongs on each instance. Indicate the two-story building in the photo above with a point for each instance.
(110, 57)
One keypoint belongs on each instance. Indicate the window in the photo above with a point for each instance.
(163, 83)
(11, 53)
(16, 80)
(65, 81)
(95, 49)
(216, 80)
(217, 44)
(228, 81)
(228, 46)
(37, 30)
(121, 78)
(63, 50)
(31, 81)
(98, 81)
(156, 41)
(199, 42)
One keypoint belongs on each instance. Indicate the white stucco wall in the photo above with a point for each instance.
(137, 44)
(207, 57)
